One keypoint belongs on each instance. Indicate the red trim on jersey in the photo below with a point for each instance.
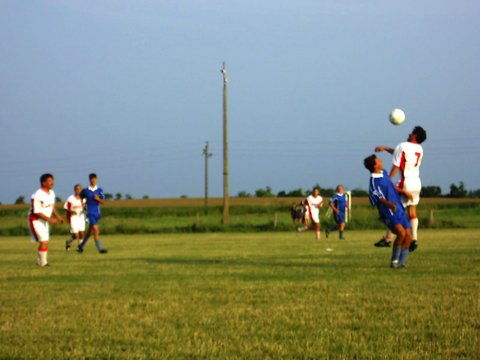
(403, 161)
(31, 219)
(69, 214)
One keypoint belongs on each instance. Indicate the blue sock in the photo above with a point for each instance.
(396, 253)
(403, 256)
(99, 245)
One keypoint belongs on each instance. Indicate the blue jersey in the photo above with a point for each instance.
(381, 187)
(93, 206)
(339, 201)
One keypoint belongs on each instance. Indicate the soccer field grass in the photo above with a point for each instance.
(249, 296)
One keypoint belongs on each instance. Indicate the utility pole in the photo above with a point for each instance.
(207, 155)
(225, 147)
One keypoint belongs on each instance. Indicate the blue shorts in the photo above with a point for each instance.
(93, 219)
(339, 218)
(392, 220)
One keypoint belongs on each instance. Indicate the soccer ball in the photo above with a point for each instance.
(397, 117)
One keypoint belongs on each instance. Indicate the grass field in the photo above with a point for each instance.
(249, 296)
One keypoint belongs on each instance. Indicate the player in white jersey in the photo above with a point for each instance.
(312, 204)
(407, 158)
(75, 208)
(39, 218)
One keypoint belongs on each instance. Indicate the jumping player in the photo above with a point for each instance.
(94, 198)
(338, 204)
(75, 208)
(39, 218)
(407, 157)
(313, 203)
(386, 197)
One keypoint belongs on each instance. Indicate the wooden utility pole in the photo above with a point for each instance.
(207, 155)
(225, 147)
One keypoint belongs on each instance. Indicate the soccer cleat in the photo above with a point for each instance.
(67, 246)
(413, 246)
(103, 251)
(394, 264)
(327, 232)
(79, 250)
(382, 243)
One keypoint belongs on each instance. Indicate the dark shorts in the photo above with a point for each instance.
(93, 219)
(339, 218)
(393, 220)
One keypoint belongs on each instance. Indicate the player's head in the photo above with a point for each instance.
(373, 163)
(316, 191)
(339, 188)
(418, 134)
(78, 189)
(47, 181)
(93, 178)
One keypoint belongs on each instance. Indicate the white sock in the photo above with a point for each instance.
(42, 256)
(414, 226)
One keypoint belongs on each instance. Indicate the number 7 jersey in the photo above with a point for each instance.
(408, 157)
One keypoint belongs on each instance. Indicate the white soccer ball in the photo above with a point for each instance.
(397, 117)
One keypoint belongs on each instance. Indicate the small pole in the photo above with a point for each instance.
(430, 219)
(225, 146)
(207, 155)
(275, 220)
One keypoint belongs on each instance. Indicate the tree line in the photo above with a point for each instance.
(456, 191)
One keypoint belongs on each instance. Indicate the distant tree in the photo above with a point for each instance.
(244, 194)
(431, 191)
(128, 197)
(183, 196)
(58, 199)
(20, 200)
(267, 192)
(296, 193)
(118, 196)
(145, 197)
(108, 196)
(458, 191)
(359, 193)
(474, 193)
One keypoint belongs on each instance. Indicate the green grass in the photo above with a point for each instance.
(249, 296)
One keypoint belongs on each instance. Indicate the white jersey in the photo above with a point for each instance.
(408, 157)
(75, 204)
(42, 202)
(313, 207)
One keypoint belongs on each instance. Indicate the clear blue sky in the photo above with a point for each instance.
(131, 90)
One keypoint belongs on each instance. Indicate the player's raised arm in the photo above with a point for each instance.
(384, 148)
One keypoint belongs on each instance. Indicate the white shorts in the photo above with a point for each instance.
(39, 229)
(77, 224)
(314, 215)
(414, 187)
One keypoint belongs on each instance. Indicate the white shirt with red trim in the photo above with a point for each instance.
(313, 207)
(74, 204)
(408, 157)
(42, 202)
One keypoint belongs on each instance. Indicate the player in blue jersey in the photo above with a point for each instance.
(338, 204)
(386, 197)
(94, 198)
